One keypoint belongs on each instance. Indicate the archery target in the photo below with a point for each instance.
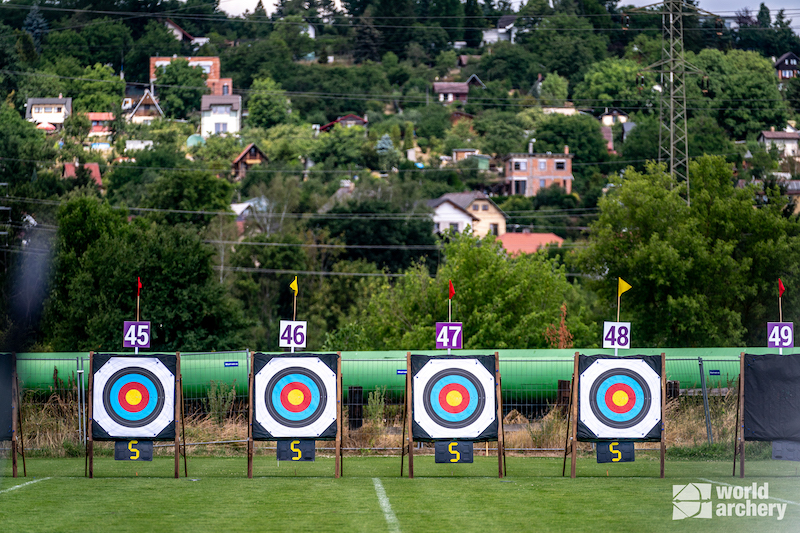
(620, 398)
(295, 397)
(454, 398)
(133, 397)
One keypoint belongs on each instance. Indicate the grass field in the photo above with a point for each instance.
(371, 496)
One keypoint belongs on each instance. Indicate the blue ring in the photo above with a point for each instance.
(276, 397)
(133, 378)
(454, 417)
(601, 398)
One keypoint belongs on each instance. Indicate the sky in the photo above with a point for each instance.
(720, 7)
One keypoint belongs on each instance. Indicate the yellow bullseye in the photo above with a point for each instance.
(133, 397)
(296, 397)
(454, 398)
(620, 398)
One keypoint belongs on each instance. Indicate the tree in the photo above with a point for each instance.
(554, 90)
(188, 190)
(157, 40)
(615, 83)
(367, 42)
(36, 26)
(180, 87)
(473, 33)
(107, 40)
(267, 103)
(99, 89)
(21, 147)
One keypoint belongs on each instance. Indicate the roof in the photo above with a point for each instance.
(450, 87)
(506, 20)
(66, 102)
(527, 243)
(515, 155)
(93, 168)
(613, 111)
(608, 135)
(781, 135)
(465, 199)
(100, 116)
(208, 100)
(784, 57)
(247, 149)
(475, 80)
(152, 98)
(433, 204)
(349, 116)
(184, 32)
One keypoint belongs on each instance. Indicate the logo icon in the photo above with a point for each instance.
(691, 501)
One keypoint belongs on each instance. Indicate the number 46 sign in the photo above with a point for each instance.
(617, 335)
(293, 334)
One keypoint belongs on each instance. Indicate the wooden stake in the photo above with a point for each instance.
(338, 466)
(294, 307)
(574, 442)
(663, 411)
(20, 431)
(736, 429)
(89, 420)
(177, 414)
(14, 410)
(410, 416)
(250, 418)
(740, 430)
(780, 310)
(501, 454)
(618, 298)
(183, 426)
(569, 428)
(403, 438)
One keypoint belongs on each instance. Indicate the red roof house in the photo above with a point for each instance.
(528, 243)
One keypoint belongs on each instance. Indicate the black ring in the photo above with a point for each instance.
(323, 397)
(426, 398)
(593, 400)
(159, 399)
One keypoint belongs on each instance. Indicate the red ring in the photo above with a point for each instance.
(454, 408)
(295, 385)
(610, 398)
(123, 401)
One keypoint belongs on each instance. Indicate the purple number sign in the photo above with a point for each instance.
(448, 335)
(780, 334)
(136, 334)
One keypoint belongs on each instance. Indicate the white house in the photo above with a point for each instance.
(220, 114)
(51, 110)
(449, 215)
(505, 31)
(787, 142)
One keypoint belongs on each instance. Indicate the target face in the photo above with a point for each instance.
(133, 397)
(620, 398)
(454, 398)
(295, 397)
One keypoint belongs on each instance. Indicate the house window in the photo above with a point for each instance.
(520, 165)
(436, 227)
(475, 207)
(441, 97)
(543, 164)
(519, 187)
(220, 110)
(147, 122)
(225, 89)
(147, 107)
(48, 109)
(542, 184)
(485, 207)
(449, 97)
(58, 110)
(220, 127)
(37, 109)
(561, 165)
(493, 229)
(454, 227)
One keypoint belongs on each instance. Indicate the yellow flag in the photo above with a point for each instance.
(622, 287)
(293, 286)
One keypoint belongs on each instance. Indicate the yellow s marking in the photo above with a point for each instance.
(296, 450)
(457, 457)
(135, 455)
(617, 453)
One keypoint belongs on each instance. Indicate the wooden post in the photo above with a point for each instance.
(89, 420)
(177, 414)
(20, 430)
(573, 439)
(663, 410)
(740, 429)
(410, 416)
(338, 466)
(250, 443)
(498, 392)
(405, 419)
(569, 428)
(14, 410)
(183, 426)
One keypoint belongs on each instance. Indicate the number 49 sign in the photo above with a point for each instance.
(780, 334)
(617, 335)
(293, 334)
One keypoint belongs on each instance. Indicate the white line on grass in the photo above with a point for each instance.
(24, 484)
(729, 485)
(391, 519)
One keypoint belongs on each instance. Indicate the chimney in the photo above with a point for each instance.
(530, 148)
(566, 149)
(62, 96)
(771, 128)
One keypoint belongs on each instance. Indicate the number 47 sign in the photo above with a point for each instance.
(617, 335)
(448, 335)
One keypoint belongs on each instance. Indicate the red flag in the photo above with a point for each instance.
(452, 290)
(781, 288)
(139, 285)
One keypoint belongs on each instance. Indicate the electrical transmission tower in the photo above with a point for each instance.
(673, 138)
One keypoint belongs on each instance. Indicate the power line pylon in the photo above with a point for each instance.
(673, 136)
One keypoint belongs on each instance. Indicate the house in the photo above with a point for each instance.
(210, 65)
(785, 141)
(456, 210)
(250, 157)
(133, 93)
(71, 171)
(146, 110)
(464, 59)
(568, 109)
(459, 115)
(101, 124)
(134, 145)
(505, 31)
(348, 121)
(611, 116)
(461, 154)
(786, 66)
(452, 91)
(182, 35)
(50, 110)
(527, 173)
(608, 135)
(220, 114)
(528, 243)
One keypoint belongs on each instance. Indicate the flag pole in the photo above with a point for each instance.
(780, 309)
(618, 299)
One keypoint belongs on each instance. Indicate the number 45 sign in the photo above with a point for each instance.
(136, 334)
(617, 335)
(293, 334)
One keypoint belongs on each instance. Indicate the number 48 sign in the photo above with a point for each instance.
(617, 335)
(293, 334)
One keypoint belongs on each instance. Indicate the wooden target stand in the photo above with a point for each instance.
(407, 446)
(179, 414)
(572, 427)
(738, 443)
(338, 463)
(17, 439)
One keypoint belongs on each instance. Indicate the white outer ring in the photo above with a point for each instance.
(597, 427)
(484, 377)
(155, 427)
(312, 364)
